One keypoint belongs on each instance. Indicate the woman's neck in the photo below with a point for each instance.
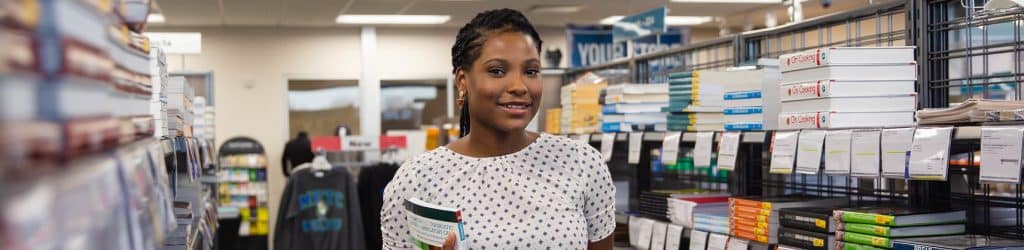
(484, 142)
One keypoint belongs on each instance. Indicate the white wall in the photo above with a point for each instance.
(251, 66)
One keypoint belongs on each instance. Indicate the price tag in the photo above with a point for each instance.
(702, 149)
(808, 157)
(783, 152)
(636, 139)
(837, 152)
(658, 235)
(929, 155)
(674, 236)
(607, 143)
(670, 148)
(634, 230)
(864, 153)
(646, 233)
(717, 241)
(584, 138)
(895, 144)
(728, 149)
(1001, 154)
(737, 244)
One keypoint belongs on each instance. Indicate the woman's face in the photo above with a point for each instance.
(503, 85)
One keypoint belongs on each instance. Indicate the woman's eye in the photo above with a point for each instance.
(532, 72)
(496, 72)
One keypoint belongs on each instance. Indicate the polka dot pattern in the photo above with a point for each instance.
(556, 193)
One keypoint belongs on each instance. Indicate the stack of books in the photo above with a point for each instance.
(552, 121)
(653, 204)
(695, 103)
(689, 210)
(848, 87)
(967, 241)
(876, 227)
(757, 219)
(179, 107)
(752, 97)
(634, 107)
(581, 112)
(807, 228)
(973, 111)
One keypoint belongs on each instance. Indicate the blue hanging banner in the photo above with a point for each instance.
(594, 45)
(640, 25)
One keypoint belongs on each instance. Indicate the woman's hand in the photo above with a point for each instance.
(450, 243)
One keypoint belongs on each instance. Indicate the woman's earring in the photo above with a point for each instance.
(462, 99)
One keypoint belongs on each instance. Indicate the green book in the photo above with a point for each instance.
(864, 239)
(684, 74)
(900, 232)
(900, 217)
(434, 222)
(840, 245)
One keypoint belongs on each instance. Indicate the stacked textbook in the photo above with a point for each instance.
(707, 213)
(848, 87)
(581, 112)
(695, 103)
(877, 227)
(973, 111)
(757, 219)
(634, 107)
(752, 97)
(807, 228)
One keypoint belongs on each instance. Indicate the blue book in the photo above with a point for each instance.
(742, 95)
(742, 110)
(744, 126)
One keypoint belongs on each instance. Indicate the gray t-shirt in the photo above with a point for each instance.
(319, 212)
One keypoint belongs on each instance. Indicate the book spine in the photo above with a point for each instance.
(747, 223)
(749, 235)
(804, 60)
(751, 210)
(803, 120)
(750, 203)
(866, 218)
(804, 239)
(868, 229)
(608, 109)
(864, 239)
(910, 246)
(809, 90)
(809, 222)
(750, 216)
(742, 95)
(744, 126)
(742, 110)
(840, 245)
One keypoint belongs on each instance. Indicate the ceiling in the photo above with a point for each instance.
(321, 13)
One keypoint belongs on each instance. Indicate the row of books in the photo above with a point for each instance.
(581, 109)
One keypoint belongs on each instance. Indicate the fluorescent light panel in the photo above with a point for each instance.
(156, 18)
(728, 1)
(392, 19)
(669, 20)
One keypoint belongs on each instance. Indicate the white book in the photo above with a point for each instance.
(846, 55)
(743, 118)
(634, 88)
(845, 120)
(743, 103)
(636, 118)
(886, 72)
(636, 98)
(906, 102)
(834, 88)
(622, 108)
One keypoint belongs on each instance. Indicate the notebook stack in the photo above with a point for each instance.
(708, 213)
(653, 204)
(877, 227)
(757, 219)
(634, 107)
(695, 102)
(973, 111)
(581, 112)
(807, 228)
(848, 87)
(752, 96)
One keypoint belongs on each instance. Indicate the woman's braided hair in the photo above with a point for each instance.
(472, 37)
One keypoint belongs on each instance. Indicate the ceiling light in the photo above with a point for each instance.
(156, 18)
(556, 8)
(669, 20)
(729, 1)
(392, 19)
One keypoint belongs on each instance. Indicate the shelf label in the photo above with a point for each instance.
(702, 149)
(670, 148)
(1001, 154)
(607, 145)
(929, 155)
(837, 152)
(728, 149)
(808, 157)
(584, 138)
(636, 139)
(783, 152)
(864, 148)
(895, 145)
(673, 236)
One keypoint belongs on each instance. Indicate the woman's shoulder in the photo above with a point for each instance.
(554, 142)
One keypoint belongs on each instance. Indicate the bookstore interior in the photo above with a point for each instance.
(723, 124)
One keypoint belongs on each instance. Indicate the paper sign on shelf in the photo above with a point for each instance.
(837, 152)
(717, 241)
(1001, 154)
(584, 138)
(634, 230)
(702, 149)
(607, 144)
(808, 157)
(929, 155)
(658, 236)
(895, 144)
(636, 139)
(670, 148)
(646, 232)
(783, 152)
(728, 149)
(737, 244)
(864, 153)
(673, 236)
(698, 239)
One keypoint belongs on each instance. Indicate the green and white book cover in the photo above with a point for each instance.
(430, 224)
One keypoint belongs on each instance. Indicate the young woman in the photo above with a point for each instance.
(516, 189)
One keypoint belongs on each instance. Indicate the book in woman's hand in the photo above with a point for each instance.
(430, 224)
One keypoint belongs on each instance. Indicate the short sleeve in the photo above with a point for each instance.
(599, 208)
(393, 227)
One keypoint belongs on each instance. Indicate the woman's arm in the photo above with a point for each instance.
(604, 244)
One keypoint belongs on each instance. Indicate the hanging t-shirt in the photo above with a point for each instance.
(319, 211)
(556, 193)
(372, 182)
